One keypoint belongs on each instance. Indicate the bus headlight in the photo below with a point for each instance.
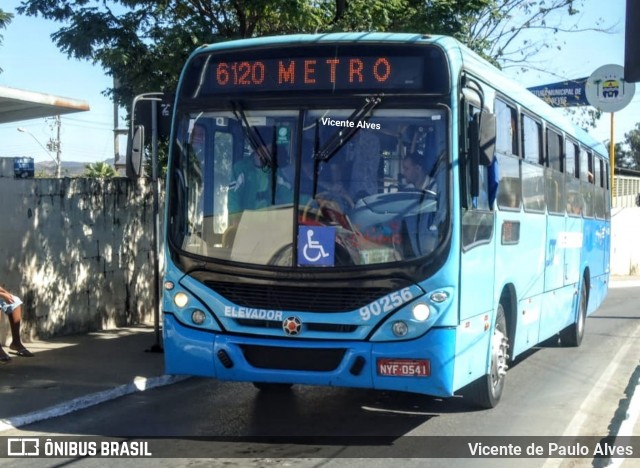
(439, 296)
(421, 312)
(168, 285)
(180, 299)
(198, 317)
(400, 328)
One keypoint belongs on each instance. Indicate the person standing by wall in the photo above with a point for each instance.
(12, 306)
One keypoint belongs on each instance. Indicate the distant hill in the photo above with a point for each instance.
(69, 168)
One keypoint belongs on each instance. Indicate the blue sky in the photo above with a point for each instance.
(31, 61)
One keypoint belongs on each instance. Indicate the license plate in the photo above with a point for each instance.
(404, 367)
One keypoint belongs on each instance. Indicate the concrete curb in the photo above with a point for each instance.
(139, 384)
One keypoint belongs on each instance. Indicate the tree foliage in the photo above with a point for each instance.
(143, 43)
(628, 152)
(5, 19)
(99, 170)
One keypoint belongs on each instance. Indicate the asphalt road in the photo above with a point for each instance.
(552, 391)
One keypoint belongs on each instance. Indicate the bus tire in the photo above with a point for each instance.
(272, 387)
(487, 390)
(573, 334)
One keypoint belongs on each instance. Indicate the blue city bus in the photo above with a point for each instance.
(383, 211)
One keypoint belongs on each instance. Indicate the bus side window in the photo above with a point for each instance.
(508, 196)
(509, 187)
(572, 183)
(586, 182)
(600, 191)
(532, 170)
(478, 222)
(554, 180)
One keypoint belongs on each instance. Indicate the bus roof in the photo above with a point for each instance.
(460, 55)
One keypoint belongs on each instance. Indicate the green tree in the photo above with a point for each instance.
(99, 170)
(5, 19)
(628, 153)
(143, 44)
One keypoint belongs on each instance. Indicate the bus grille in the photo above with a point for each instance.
(306, 299)
(297, 359)
(319, 327)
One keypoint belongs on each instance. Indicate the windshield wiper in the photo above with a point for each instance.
(268, 159)
(255, 140)
(341, 137)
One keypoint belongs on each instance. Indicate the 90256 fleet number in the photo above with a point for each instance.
(386, 304)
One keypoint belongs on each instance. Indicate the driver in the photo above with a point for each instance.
(251, 186)
(413, 168)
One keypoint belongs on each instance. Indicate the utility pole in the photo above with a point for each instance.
(54, 145)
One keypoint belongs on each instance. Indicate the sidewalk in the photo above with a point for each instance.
(74, 372)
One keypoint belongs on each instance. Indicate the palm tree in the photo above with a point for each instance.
(99, 170)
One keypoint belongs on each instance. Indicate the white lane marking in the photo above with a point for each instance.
(592, 400)
(632, 418)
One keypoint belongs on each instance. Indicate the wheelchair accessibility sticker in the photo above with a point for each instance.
(316, 245)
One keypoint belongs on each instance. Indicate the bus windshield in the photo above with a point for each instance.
(330, 187)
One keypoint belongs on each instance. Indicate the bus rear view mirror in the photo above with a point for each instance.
(135, 151)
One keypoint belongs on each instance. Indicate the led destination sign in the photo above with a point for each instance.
(398, 69)
(317, 73)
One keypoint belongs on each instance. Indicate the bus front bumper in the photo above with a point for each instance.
(190, 351)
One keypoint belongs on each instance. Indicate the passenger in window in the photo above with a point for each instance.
(574, 205)
(414, 170)
(250, 188)
(507, 199)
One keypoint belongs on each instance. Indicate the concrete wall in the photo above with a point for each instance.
(78, 252)
(625, 241)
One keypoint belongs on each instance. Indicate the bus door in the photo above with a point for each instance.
(555, 300)
(477, 268)
(572, 238)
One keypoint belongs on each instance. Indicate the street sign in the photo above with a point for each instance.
(563, 94)
(606, 89)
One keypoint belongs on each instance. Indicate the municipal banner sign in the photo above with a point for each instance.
(563, 94)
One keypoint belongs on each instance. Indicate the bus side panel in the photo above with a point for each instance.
(572, 242)
(477, 280)
(531, 256)
(557, 304)
(554, 264)
(522, 264)
(186, 350)
(594, 255)
(472, 349)
(558, 311)
(528, 328)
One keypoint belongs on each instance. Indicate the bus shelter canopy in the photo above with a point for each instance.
(18, 104)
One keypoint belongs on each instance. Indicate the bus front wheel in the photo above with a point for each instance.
(572, 335)
(487, 390)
